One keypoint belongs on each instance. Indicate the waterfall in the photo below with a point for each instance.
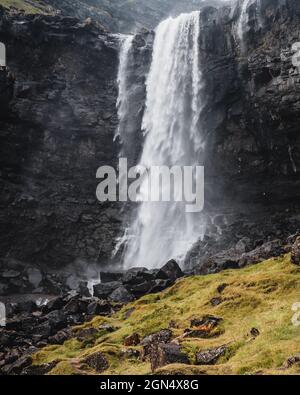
(243, 20)
(172, 136)
(123, 85)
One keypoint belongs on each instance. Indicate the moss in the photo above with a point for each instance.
(70, 349)
(64, 368)
(23, 5)
(259, 296)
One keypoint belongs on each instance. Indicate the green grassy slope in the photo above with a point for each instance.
(260, 296)
(30, 7)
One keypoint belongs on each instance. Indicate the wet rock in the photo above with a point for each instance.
(138, 275)
(99, 307)
(295, 252)
(76, 306)
(140, 289)
(211, 356)
(102, 291)
(159, 285)
(107, 277)
(121, 295)
(54, 304)
(83, 288)
(132, 340)
(162, 354)
(170, 271)
(56, 319)
(97, 361)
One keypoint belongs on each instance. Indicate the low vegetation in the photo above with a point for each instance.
(260, 297)
(29, 7)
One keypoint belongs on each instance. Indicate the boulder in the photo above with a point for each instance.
(204, 327)
(76, 306)
(162, 354)
(162, 336)
(159, 285)
(267, 250)
(137, 275)
(60, 337)
(97, 361)
(132, 340)
(83, 288)
(140, 289)
(107, 277)
(121, 295)
(170, 271)
(206, 321)
(295, 252)
(99, 307)
(54, 304)
(211, 356)
(57, 320)
(103, 290)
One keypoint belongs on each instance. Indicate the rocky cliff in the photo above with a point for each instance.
(61, 120)
(250, 119)
(57, 131)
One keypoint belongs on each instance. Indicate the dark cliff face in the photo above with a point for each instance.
(253, 102)
(127, 16)
(251, 123)
(57, 131)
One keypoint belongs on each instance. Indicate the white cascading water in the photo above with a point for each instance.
(161, 231)
(123, 97)
(243, 20)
